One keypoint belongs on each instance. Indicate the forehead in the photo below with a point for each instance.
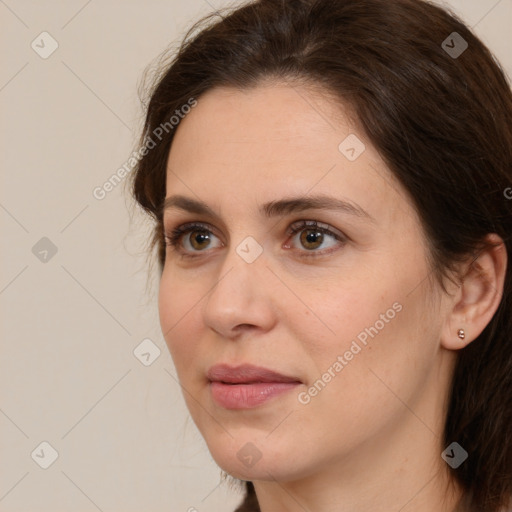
(263, 142)
(277, 117)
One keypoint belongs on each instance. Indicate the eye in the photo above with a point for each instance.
(199, 237)
(312, 236)
(194, 238)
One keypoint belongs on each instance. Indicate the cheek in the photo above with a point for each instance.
(384, 339)
(178, 303)
(344, 309)
(376, 320)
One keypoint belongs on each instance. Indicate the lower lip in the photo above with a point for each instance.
(247, 396)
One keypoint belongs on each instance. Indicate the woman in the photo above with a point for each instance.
(330, 184)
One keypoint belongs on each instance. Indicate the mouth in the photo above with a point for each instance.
(247, 386)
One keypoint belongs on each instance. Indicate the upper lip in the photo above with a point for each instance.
(245, 374)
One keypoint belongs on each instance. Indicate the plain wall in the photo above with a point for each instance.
(71, 321)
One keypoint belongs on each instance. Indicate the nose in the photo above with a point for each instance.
(241, 299)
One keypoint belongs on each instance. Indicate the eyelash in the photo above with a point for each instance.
(172, 239)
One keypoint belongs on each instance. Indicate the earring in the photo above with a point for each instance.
(461, 334)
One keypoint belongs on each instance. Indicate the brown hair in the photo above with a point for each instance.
(441, 121)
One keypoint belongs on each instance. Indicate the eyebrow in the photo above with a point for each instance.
(276, 208)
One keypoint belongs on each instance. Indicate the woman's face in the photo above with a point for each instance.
(344, 310)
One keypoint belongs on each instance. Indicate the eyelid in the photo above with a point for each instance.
(304, 224)
(321, 226)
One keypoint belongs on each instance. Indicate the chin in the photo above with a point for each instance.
(261, 471)
(257, 460)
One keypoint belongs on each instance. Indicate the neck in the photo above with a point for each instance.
(402, 491)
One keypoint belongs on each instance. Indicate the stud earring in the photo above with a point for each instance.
(461, 334)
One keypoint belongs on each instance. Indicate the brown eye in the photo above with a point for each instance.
(199, 239)
(315, 240)
(191, 239)
(311, 238)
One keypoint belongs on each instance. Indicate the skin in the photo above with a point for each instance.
(371, 440)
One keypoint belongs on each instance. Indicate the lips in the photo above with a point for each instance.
(246, 374)
(247, 386)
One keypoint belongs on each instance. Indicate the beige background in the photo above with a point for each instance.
(70, 324)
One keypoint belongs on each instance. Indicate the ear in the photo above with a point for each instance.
(479, 294)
